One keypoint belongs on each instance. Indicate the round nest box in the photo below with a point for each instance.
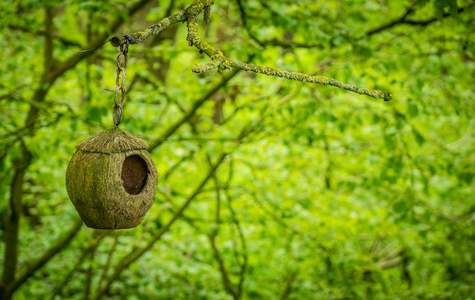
(111, 180)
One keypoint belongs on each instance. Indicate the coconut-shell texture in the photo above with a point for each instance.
(96, 184)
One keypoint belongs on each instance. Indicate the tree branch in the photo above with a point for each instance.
(403, 20)
(288, 286)
(193, 10)
(154, 144)
(12, 222)
(76, 58)
(224, 273)
(273, 42)
(228, 285)
(109, 255)
(90, 270)
(50, 253)
(236, 221)
(64, 41)
(77, 265)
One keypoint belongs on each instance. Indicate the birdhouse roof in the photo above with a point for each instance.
(112, 141)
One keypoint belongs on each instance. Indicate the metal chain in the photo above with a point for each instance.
(117, 114)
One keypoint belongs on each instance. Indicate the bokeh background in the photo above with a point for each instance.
(320, 193)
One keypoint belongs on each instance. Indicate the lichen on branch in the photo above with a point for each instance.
(221, 62)
(193, 10)
(271, 71)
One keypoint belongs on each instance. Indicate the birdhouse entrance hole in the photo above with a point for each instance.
(134, 174)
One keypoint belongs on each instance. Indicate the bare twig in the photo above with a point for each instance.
(155, 143)
(403, 20)
(228, 285)
(224, 273)
(43, 32)
(77, 265)
(236, 221)
(288, 286)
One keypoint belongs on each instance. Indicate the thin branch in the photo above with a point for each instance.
(273, 42)
(244, 22)
(289, 45)
(109, 255)
(76, 58)
(218, 199)
(236, 221)
(228, 285)
(328, 170)
(25, 29)
(77, 265)
(403, 20)
(288, 286)
(89, 273)
(154, 144)
(281, 222)
(224, 273)
(178, 164)
(389, 263)
(50, 253)
(212, 238)
(90, 270)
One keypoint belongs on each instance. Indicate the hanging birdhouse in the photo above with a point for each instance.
(111, 180)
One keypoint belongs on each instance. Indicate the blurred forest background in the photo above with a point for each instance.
(320, 193)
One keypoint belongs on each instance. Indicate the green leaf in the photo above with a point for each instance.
(364, 51)
(73, 125)
(440, 7)
(466, 176)
(412, 109)
(389, 140)
(94, 114)
(324, 116)
(422, 2)
(401, 206)
(419, 138)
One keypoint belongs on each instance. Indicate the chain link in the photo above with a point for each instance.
(117, 114)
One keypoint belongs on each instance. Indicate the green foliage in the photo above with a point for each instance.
(329, 194)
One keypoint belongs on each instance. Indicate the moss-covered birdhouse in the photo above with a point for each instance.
(111, 180)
